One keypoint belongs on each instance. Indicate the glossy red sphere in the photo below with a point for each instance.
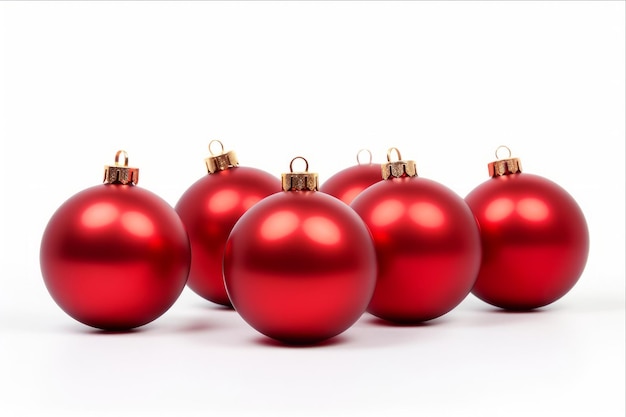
(115, 256)
(348, 183)
(209, 209)
(535, 241)
(300, 267)
(427, 245)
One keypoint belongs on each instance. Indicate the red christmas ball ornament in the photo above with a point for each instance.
(300, 265)
(534, 236)
(348, 183)
(210, 208)
(115, 256)
(427, 244)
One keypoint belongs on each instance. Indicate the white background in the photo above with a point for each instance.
(445, 82)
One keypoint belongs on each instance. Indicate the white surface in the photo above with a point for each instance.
(446, 82)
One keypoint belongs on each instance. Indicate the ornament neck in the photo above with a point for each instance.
(399, 168)
(220, 161)
(504, 166)
(300, 181)
(121, 174)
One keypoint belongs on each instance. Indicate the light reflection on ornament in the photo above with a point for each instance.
(426, 215)
(533, 209)
(350, 194)
(137, 224)
(223, 201)
(387, 212)
(322, 230)
(529, 208)
(99, 215)
(499, 209)
(279, 225)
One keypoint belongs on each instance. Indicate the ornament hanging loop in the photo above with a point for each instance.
(120, 174)
(221, 161)
(501, 147)
(221, 152)
(358, 154)
(300, 181)
(306, 164)
(390, 150)
(399, 168)
(504, 166)
(117, 157)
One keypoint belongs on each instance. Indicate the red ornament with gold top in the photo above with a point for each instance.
(300, 265)
(427, 244)
(534, 237)
(115, 256)
(210, 208)
(348, 183)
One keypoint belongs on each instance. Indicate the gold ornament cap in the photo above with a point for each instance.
(221, 161)
(300, 181)
(399, 168)
(504, 166)
(121, 174)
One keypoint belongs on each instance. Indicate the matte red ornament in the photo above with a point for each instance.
(210, 208)
(300, 265)
(427, 244)
(348, 183)
(534, 236)
(115, 256)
